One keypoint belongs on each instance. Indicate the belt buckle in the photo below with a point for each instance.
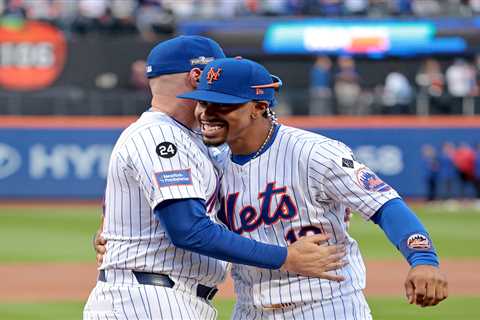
(211, 293)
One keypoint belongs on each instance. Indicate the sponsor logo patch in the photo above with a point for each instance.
(347, 163)
(174, 178)
(418, 242)
(370, 181)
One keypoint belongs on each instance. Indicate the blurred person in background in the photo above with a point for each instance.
(477, 172)
(378, 8)
(475, 6)
(426, 8)
(400, 7)
(461, 83)
(476, 93)
(347, 86)
(430, 169)
(138, 80)
(14, 10)
(89, 15)
(432, 94)
(355, 7)
(123, 12)
(397, 94)
(320, 87)
(153, 19)
(464, 160)
(447, 170)
(330, 8)
(39, 9)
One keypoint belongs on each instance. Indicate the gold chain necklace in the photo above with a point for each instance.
(270, 131)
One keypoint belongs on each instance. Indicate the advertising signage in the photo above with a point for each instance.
(371, 38)
(32, 55)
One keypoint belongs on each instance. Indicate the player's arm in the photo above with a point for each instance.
(425, 285)
(189, 228)
(337, 176)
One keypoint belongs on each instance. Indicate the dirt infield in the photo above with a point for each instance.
(68, 281)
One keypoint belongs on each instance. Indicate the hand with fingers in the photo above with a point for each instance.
(311, 256)
(426, 286)
(100, 248)
(99, 245)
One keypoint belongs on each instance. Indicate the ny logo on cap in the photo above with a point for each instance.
(213, 75)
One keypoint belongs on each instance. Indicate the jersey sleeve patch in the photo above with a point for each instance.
(166, 149)
(174, 178)
(370, 181)
(347, 163)
(418, 242)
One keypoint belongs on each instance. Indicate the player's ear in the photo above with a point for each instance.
(259, 109)
(194, 77)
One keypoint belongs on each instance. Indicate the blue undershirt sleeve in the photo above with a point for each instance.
(406, 232)
(189, 228)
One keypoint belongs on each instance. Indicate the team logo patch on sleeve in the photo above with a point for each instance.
(418, 242)
(370, 181)
(166, 149)
(174, 178)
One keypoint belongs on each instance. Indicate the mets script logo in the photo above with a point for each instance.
(369, 181)
(418, 242)
(248, 216)
(213, 75)
(10, 161)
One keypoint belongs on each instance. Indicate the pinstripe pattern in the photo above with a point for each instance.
(310, 167)
(112, 301)
(356, 308)
(136, 240)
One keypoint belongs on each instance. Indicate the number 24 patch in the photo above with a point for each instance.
(166, 149)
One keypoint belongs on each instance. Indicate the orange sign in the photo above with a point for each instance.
(31, 57)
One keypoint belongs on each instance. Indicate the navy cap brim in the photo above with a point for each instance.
(213, 97)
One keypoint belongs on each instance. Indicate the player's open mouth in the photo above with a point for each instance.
(211, 128)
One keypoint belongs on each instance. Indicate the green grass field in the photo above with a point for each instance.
(69, 232)
(64, 234)
(382, 309)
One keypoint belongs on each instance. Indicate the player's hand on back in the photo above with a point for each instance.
(426, 286)
(99, 244)
(311, 256)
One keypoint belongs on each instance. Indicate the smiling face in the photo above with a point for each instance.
(220, 123)
(234, 124)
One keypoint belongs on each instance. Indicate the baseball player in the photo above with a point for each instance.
(160, 186)
(280, 184)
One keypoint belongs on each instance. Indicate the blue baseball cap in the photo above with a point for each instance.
(235, 81)
(181, 54)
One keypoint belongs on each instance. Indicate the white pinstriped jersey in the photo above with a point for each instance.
(300, 185)
(156, 159)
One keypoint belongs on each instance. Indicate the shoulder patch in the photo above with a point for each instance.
(347, 163)
(166, 149)
(418, 242)
(174, 178)
(370, 181)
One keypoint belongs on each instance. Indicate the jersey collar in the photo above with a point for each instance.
(242, 159)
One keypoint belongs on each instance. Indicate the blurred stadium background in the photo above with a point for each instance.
(397, 80)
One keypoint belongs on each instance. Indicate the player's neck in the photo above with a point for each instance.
(179, 109)
(246, 145)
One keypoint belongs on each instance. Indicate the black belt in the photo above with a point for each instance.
(162, 280)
